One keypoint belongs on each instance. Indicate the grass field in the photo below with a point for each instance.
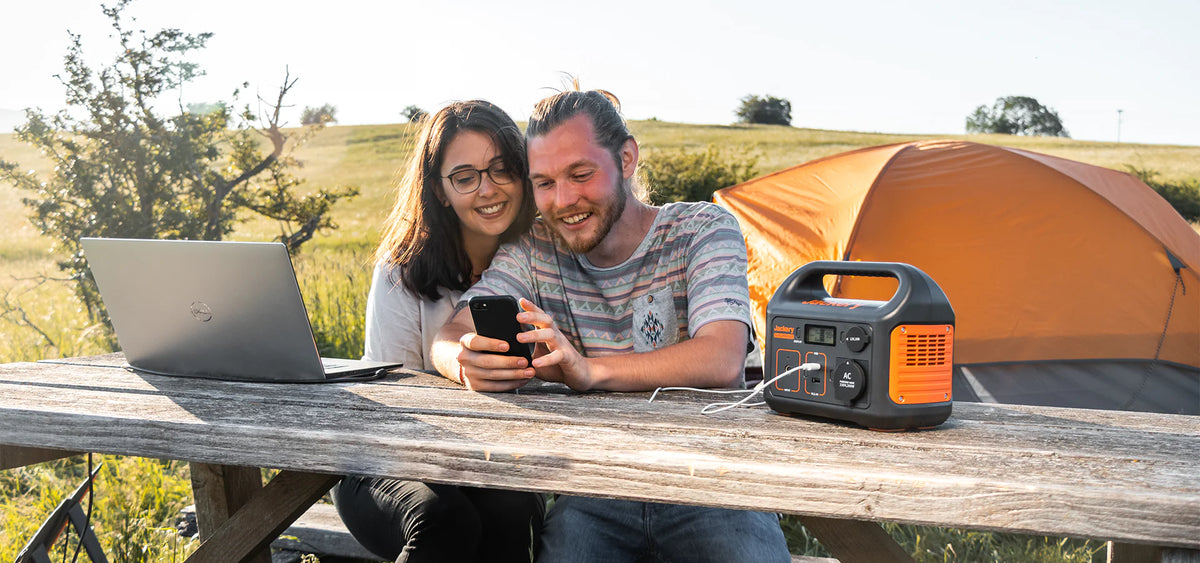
(138, 497)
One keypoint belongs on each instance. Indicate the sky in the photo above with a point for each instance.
(1107, 67)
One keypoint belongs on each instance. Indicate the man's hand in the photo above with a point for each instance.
(555, 358)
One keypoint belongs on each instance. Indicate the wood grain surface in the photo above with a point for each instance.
(1129, 477)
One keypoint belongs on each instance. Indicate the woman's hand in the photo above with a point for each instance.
(482, 368)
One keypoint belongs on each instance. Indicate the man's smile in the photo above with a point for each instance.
(576, 218)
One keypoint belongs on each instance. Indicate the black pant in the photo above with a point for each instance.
(413, 522)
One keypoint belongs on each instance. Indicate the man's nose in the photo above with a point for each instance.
(565, 195)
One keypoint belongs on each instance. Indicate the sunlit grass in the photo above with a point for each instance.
(334, 281)
(136, 503)
(39, 315)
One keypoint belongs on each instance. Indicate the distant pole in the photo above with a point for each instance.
(1119, 124)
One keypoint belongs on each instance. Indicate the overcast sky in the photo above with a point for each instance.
(871, 65)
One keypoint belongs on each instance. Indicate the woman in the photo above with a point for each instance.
(465, 190)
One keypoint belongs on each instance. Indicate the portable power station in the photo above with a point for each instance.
(886, 365)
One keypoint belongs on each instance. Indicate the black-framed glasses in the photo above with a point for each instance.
(467, 180)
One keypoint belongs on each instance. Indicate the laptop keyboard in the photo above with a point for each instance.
(329, 364)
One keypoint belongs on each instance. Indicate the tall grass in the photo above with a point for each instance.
(41, 318)
(136, 501)
(334, 281)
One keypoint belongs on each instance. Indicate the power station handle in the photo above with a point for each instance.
(807, 283)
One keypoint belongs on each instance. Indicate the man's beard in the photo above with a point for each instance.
(608, 212)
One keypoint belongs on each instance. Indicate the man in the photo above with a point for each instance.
(623, 296)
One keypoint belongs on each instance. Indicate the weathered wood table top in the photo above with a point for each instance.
(1129, 477)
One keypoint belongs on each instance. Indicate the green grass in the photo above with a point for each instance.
(137, 498)
(137, 501)
(334, 282)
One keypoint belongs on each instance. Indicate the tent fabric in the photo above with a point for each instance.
(1042, 258)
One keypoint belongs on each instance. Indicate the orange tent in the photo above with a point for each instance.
(1042, 258)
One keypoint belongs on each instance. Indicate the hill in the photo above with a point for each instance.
(370, 155)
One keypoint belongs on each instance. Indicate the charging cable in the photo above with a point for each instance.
(712, 408)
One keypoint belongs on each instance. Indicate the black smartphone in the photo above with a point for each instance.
(495, 316)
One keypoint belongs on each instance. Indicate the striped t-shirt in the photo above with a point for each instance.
(689, 270)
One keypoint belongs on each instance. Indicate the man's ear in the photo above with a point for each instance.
(629, 158)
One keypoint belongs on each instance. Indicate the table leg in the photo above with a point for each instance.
(1131, 552)
(248, 530)
(853, 540)
(219, 492)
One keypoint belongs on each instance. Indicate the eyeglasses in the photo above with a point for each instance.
(467, 180)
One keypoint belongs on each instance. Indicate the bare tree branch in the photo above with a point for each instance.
(7, 307)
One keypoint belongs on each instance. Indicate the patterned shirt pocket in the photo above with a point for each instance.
(655, 324)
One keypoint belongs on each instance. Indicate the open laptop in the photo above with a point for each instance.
(218, 310)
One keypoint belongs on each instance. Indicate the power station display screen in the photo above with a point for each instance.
(817, 334)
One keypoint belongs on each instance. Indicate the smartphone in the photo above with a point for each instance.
(495, 316)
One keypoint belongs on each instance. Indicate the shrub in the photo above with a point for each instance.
(694, 176)
(1183, 196)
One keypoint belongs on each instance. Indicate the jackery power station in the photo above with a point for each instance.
(886, 365)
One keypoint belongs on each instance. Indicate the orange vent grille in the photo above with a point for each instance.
(922, 364)
(926, 349)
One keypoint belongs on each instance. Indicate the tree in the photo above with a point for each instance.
(694, 176)
(413, 114)
(319, 116)
(121, 169)
(767, 109)
(207, 108)
(1016, 115)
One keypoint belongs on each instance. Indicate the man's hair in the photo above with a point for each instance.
(600, 106)
(424, 236)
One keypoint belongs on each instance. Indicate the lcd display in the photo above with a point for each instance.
(817, 334)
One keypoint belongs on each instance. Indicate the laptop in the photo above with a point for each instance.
(217, 310)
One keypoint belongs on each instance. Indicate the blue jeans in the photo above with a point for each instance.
(580, 529)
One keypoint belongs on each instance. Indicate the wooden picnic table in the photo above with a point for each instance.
(1131, 478)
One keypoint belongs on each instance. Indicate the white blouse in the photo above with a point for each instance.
(401, 325)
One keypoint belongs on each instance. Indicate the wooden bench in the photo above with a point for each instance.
(1128, 477)
(320, 531)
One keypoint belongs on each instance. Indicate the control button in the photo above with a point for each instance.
(857, 339)
(849, 381)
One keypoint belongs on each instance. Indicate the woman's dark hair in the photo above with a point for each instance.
(424, 236)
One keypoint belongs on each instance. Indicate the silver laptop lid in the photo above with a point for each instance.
(230, 310)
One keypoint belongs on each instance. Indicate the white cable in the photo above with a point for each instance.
(708, 409)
